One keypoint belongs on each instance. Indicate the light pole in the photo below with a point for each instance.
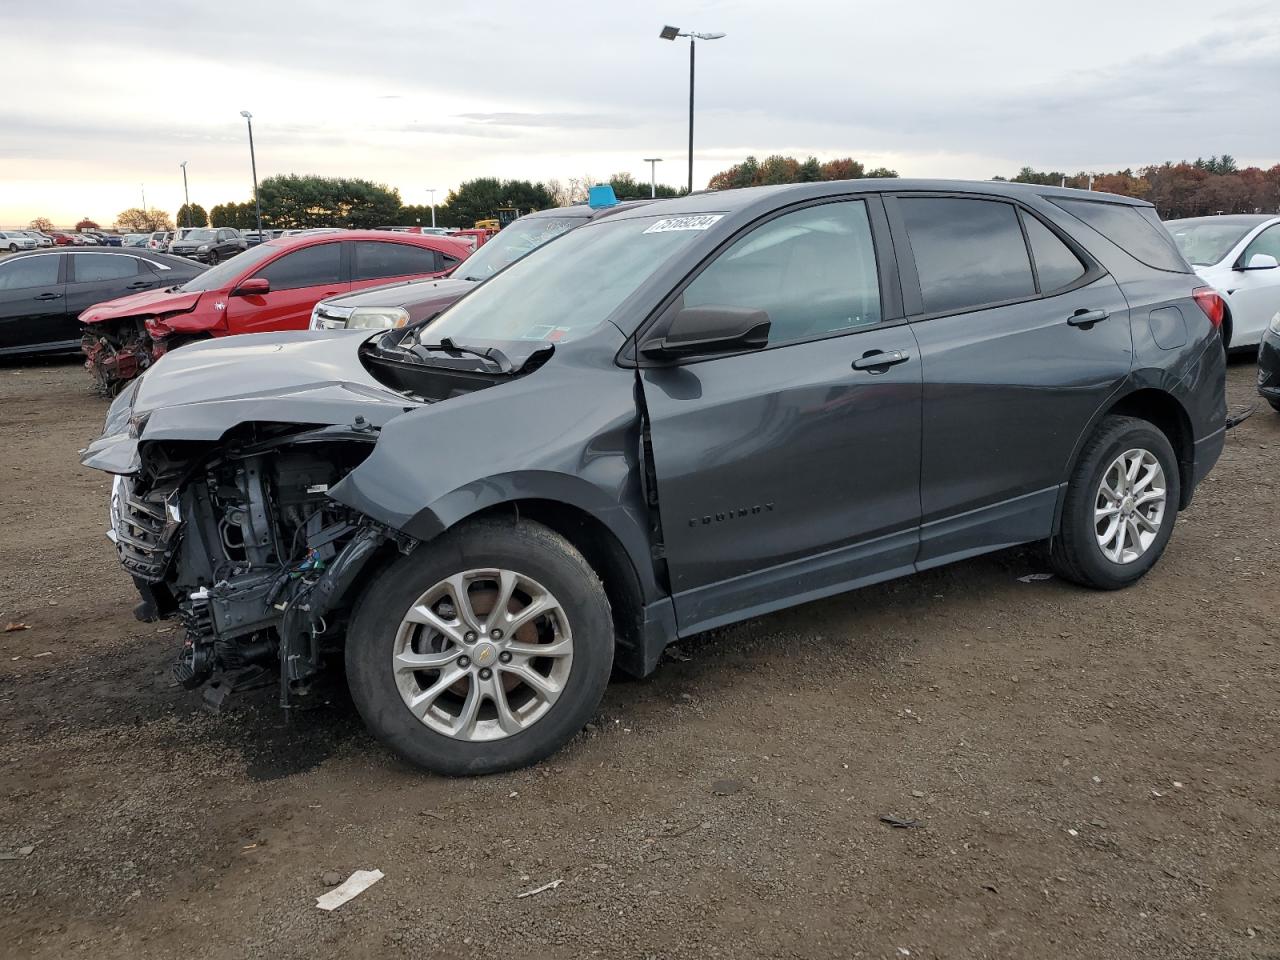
(144, 196)
(248, 118)
(670, 33)
(432, 191)
(653, 177)
(185, 195)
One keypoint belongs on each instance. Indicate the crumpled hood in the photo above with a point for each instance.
(202, 390)
(148, 303)
(419, 297)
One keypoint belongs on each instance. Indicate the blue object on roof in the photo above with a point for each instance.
(600, 196)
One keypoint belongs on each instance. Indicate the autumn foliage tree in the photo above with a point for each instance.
(137, 220)
(86, 224)
(779, 169)
(42, 224)
(1202, 187)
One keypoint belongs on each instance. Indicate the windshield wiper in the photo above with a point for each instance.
(447, 344)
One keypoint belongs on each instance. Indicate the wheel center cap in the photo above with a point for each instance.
(485, 654)
(1127, 506)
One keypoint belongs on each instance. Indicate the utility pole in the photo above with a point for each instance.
(670, 33)
(248, 118)
(653, 181)
(185, 195)
(432, 191)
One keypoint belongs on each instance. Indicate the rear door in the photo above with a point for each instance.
(98, 277)
(33, 305)
(385, 261)
(791, 472)
(299, 280)
(1022, 338)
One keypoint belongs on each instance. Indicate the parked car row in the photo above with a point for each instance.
(272, 286)
(484, 509)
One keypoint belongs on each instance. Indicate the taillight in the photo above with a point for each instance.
(1212, 304)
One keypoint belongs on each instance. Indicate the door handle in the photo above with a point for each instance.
(1087, 318)
(49, 296)
(878, 361)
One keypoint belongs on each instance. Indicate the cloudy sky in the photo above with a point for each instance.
(103, 98)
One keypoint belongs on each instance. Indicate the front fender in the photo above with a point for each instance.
(568, 433)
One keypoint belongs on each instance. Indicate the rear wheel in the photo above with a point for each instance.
(484, 650)
(1121, 505)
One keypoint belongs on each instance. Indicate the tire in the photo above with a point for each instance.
(1275, 405)
(1075, 552)
(582, 623)
(213, 258)
(13, 248)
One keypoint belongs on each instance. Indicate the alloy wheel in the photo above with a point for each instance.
(483, 654)
(1129, 506)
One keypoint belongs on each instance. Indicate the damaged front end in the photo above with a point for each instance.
(115, 352)
(220, 507)
(241, 544)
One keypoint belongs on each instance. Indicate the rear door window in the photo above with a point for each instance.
(309, 267)
(813, 271)
(377, 258)
(98, 267)
(1133, 229)
(1056, 265)
(25, 272)
(969, 253)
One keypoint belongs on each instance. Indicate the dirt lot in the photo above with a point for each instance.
(1096, 774)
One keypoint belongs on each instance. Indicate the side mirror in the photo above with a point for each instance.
(710, 329)
(253, 287)
(1262, 261)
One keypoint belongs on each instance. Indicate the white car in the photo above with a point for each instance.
(41, 239)
(1239, 256)
(13, 241)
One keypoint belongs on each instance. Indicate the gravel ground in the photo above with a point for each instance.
(1094, 774)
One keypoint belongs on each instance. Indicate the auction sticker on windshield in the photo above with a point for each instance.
(685, 223)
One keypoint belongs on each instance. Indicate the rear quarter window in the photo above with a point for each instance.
(1130, 229)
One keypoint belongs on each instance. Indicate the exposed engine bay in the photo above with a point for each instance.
(116, 352)
(240, 543)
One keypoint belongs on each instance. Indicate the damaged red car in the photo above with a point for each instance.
(272, 286)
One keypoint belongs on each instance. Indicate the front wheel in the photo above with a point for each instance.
(483, 650)
(1121, 505)
(213, 258)
(1275, 405)
(13, 248)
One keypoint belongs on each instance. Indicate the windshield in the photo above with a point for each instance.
(201, 235)
(1205, 242)
(220, 276)
(567, 289)
(513, 243)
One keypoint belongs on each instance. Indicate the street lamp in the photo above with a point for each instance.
(653, 181)
(248, 118)
(670, 33)
(185, 195)
(432, 191)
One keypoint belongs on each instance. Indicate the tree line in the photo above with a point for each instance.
(1199, 188)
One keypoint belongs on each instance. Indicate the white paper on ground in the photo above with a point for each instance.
(352, 887)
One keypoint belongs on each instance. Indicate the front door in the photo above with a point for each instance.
(791, 472)
(1014, 368)
(1255, 294)
(33, 304)
(299, 280)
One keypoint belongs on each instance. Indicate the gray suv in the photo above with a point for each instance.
(209, 245)
(671, 419)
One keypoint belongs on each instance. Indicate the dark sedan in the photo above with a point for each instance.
(43, 292)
